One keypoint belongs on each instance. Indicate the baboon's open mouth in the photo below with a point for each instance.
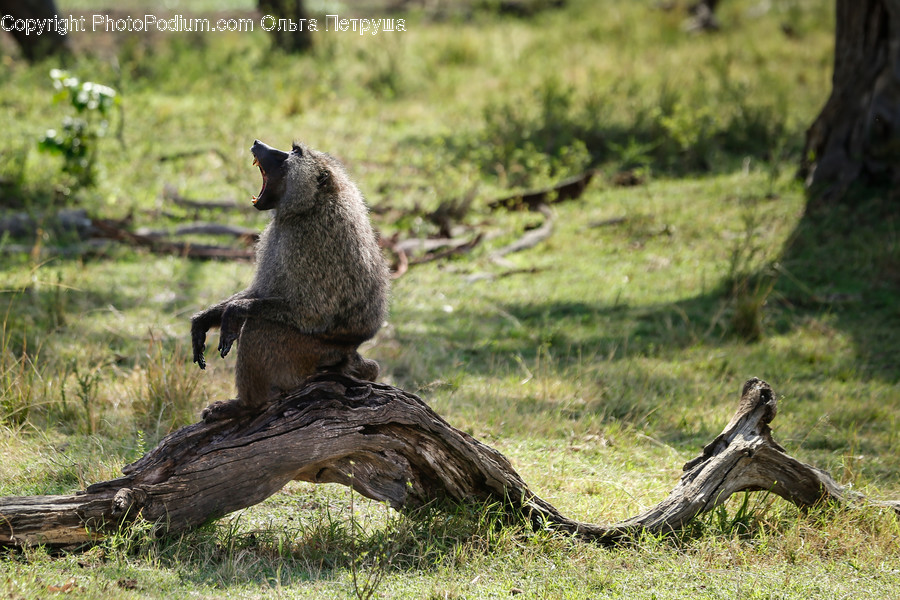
(263, 172)
(271, 163)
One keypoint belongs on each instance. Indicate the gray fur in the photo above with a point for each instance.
(320, 276)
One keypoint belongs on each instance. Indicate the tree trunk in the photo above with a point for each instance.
(388, 445)
(856, 138)
(703, 16)
(33, 46)
(292, 11)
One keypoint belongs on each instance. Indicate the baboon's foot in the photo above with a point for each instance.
(221, 410)
(362, 368)
(353, 365)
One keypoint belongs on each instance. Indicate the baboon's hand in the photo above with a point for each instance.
(226, 340)
(198, 342)
(232, 321)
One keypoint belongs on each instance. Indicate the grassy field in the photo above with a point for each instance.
(598, 362)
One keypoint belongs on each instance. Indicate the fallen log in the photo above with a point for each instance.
(244, 234)
(568, 189)
(429, 246)
(110, 230)
(22, 224)
(400, 266)
(453, 248)
(431, 250)
(529, 239)
(388, 445)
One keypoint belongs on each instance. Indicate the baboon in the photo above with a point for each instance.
(320, 288)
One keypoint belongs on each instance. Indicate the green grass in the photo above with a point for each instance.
(598, 362)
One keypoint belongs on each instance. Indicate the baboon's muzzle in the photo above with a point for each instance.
(271, 165)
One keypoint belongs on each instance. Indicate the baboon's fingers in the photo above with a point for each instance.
(198, 345)
(230, 328)
(226, 339)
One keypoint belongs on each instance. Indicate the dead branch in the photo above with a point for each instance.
(23, 224)
(531, 238)
(401, 265)
(535, 200)
(567, 189)
(110, 230)
(454, 248)
(432, 248)
(77, 223)
(388, 445)
(428, 245)
(483, 276)
(246, 235)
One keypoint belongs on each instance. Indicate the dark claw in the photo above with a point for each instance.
(198, 343)
(226, 339)
(230, 329)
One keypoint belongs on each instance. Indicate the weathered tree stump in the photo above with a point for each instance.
(387, 444)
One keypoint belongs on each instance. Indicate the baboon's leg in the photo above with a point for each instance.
(271, 357)
(361, 368)
(274, 357)
(344, 358)
(300, 356)
(257, 360)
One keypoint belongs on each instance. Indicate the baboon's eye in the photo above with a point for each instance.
(322, 177)
(297, 148)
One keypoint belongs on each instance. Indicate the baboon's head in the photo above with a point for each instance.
(293, 181)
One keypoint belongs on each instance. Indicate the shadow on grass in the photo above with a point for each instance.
(845, 263)
(839, 274)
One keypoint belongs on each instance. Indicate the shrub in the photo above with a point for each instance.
(77, 139)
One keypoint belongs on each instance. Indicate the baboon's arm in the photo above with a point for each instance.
(240, 309)
(205, 320)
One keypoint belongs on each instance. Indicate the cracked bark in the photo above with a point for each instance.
(387, 444)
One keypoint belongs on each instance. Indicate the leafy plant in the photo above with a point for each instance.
(691, 131)
(532, 139)
(78, 136)
(633, 154)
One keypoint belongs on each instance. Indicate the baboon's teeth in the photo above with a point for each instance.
(255, 162)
